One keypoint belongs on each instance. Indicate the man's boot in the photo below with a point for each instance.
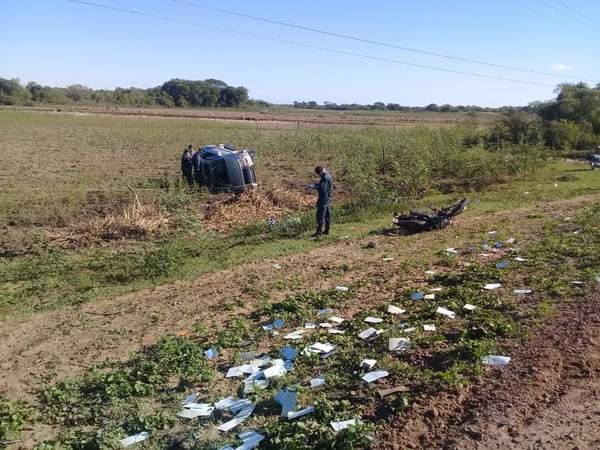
(326, 230)
(319, 231)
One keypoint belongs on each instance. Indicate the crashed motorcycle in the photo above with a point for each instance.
(416, 221)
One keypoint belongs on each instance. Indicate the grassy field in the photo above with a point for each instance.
(105, 337)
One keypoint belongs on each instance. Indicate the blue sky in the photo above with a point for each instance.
(58, 43)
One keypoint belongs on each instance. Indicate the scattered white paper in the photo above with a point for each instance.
(369, 377)
(409, 330)
(336, 319)
(429, 296)
(310, 326)
(342, 288)
(399, 344)
(451, 250)
(373, 320)
(325, 325)
(295, 335)
(319, 347)
(368, 364)
(522, 291)
(388, 259)
(492, 286)
(519, 259)
(395, 310)
(436, 289)
(276, 370)
(301, 412)
(344, 424)
(368, 333)
(496, 360)
(277, 266)
(445, 312)
(429, 327)
(316, 382)
(469, 307)
(134, 439)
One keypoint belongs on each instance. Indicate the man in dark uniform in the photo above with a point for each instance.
(325, 189)
(187, 165)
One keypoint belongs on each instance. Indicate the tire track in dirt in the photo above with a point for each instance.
(58, 344)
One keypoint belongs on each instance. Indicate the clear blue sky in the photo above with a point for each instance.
(58, 43)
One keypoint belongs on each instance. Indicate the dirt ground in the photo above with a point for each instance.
(549, 397)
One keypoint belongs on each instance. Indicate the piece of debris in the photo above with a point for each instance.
(368, 364)
(241, 409)
(369, 377)
(190, 398)
(395, 310)
(399, 344)
(409, 330)
(522, 291)
(277, 266)
(194, 410)
(388, 259)
(492, 232)
(519, 259)
(310, 326)
(344, 424)
(235, 372)
(335, 331)
(288, 353)
(250, 440)
(511, 241)
(373, 320)
(254, 385)
(369, 333)
(325, 325)
(577, 283)
(316, 382)
(342, 288)
(445, 312)
(385, 392)
(430, 272)
(436, 289)
(211, 353)
(416, 296)
(135, 438)
(294, 335)
(496, 360)
(469, 307)
(324, 312)
(451, 250)
(502, 265)
(492, 286)
(336, 319)
(429, 327)
(301, 412)
(276, 370)
(323, 349)
(287, 399)
(429, 296)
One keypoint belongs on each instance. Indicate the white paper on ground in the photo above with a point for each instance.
(316, 382)
(373, 320)
(135, 438)
(409, 330)
(325, 325)
(301, 412)
(429, 296)
(344, 424)
(369, 377)
(388, 259)
(294, 336)
(342, 288)
(445, 312)
(469, 307)
(309, 326)
(399, 344)
(275, 371)
(429, 327)
(319, 347)
(492, 286)
(277, 266)
(395, 310)
(519, 259)
(451, 250)
(336, 319)
(369, 332)
(496, 360)
(437, 289)
(368, 363)
(522, 291)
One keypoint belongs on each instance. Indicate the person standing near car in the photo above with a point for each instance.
(187, 165)
(324, 190)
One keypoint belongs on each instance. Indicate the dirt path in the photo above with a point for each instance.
(61, 343)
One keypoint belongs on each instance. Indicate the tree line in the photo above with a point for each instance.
(172, 93)
(381, 106)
